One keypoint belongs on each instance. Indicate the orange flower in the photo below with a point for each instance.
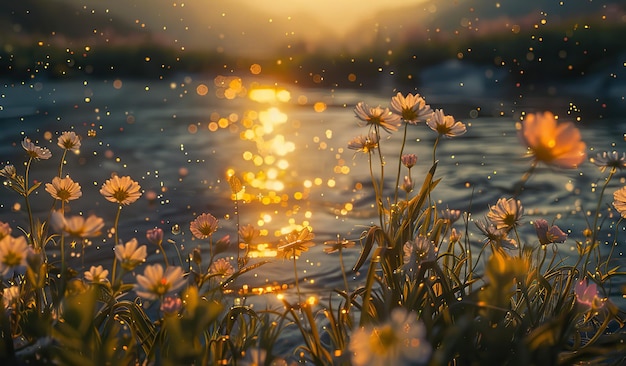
(554, 144)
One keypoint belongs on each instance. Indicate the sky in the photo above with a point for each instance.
(246, 26)
(339, 15)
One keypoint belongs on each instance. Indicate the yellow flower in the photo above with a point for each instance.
(129, 255)
(122, 190)
(559, 145)
(399, 341)
(69, 141)
(13, 253)
(203, 226)
(77, 225)
(155, 283)
(619, 201)
(63, 189)
(445, 125)
(35, 151)
(377, 116)
(296, 242)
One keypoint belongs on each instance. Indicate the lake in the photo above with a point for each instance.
(180, 138)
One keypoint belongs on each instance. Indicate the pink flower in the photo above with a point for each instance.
(587, 295)
(548, 234)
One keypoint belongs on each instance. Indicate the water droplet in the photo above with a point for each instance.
(176, 229)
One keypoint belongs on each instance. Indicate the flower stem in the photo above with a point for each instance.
(116, 238)
(295, 273)
(28, 208)
(406, 125)
(594, 236)
(61, 163)
(519, 187)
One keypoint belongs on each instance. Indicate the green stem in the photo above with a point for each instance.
(167, 263)
(116, 239)
(435, 149)
(28, 208)
(520, 185)
(406, 125)
(61, 163)
(594, 236)
(295, 273)
(343, 271)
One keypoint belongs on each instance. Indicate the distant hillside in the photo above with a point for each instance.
(53, 21)
(437, 20)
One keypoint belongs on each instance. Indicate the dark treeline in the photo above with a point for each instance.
(557, 54)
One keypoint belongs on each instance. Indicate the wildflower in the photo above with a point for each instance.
(506, 213)
(221, 267)
(123, 191)
(64, 189)
(619, 201)
(418, 250)
(399, 341)
(407, 184)
(171, 305)
(609, 160)
(587, 295)
(13, 254)
(221, 245)
(455, 236)
(155, 236)
(69, 141)
(77, 225)
(445, 125)
(495, 236)
(248, 233)
(203, 226)
(129, 255)
(409, 160)
(155, 283)
(559, 145)
(10, 296)
(8, 171)
(34, 151)
(5, 230)
(296, 242)
(364, 143)
(450, 216)
(377, 116)
(338, 244)
(97, 274)
(412, 108)
(548, 234)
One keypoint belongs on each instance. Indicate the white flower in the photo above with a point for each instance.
(445, 125)
(13, 254)
(97, 274)
(69, 141)
(377, 116)
(35, 151)
(10, 296)
(412, 108)
(155, 283)
(129, 255)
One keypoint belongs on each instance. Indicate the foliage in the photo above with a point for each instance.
(432, 293)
